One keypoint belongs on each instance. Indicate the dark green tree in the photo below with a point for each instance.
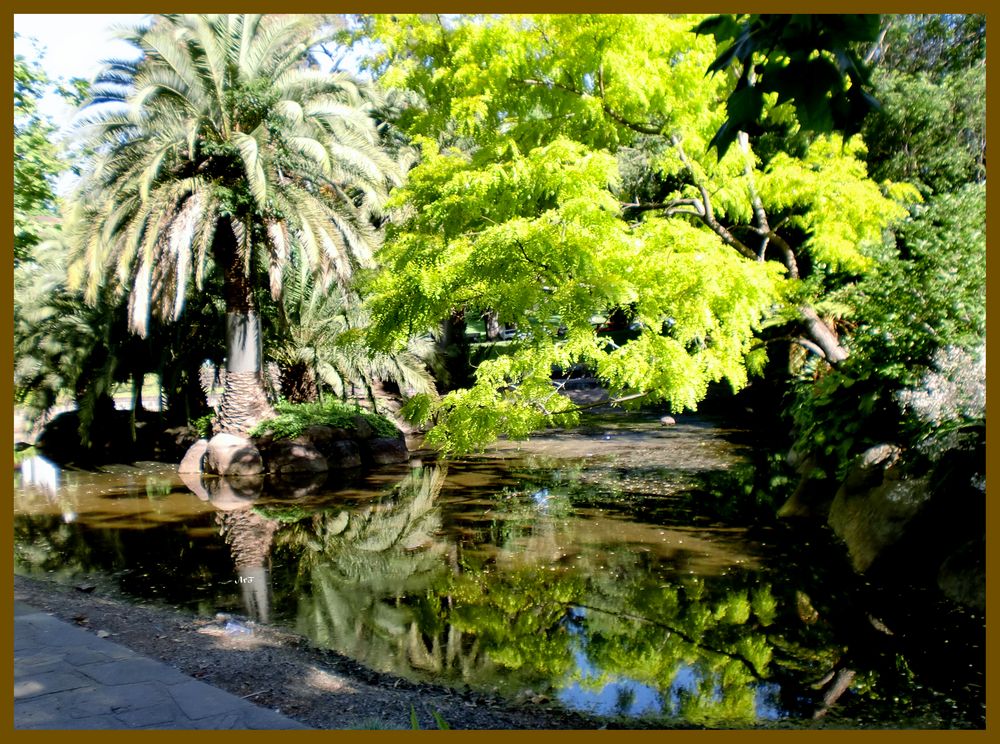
(37, 158)
(810, 60)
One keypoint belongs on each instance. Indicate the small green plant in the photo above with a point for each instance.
(438, 719)
(203, 425)
(292, 418)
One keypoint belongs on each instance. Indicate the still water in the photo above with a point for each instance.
(623, 570)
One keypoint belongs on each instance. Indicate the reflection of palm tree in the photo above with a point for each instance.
(250, 536)
(355, 561)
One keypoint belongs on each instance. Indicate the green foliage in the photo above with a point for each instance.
(292, 418)
(320, 337)
(806, 59)
(929, 131)
(932, 296)
(938, 45)
(203, 425)
(515, 209)
(60, 343)
(37, 158)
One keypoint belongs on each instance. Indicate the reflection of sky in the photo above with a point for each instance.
(621, 696)
(627, 697)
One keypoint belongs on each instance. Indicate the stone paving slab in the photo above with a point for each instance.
(67, 678)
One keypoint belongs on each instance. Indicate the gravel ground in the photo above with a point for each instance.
(279, 670)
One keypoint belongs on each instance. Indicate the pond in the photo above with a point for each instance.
(623, 569)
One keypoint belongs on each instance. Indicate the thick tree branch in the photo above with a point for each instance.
(677, 206)
(803, 342)
(760, 215)
(823, 336)
(787, 254)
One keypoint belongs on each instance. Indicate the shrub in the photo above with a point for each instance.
(292, 418)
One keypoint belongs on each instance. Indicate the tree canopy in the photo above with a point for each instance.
(517, 206)
(224, 149)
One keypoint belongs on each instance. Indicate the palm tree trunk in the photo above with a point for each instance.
(244, 398)
(298, 384)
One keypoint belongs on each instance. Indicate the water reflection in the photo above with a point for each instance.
(604, 589)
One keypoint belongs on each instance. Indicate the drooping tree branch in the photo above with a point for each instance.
(676, 206)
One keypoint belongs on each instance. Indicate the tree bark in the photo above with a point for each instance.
(298, 384)
(821, 335)
(244, 399)
(453, 349)
(492, 325)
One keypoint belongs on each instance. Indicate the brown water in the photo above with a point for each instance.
(604, 568)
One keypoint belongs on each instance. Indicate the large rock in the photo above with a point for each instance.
(962, 576)
(294, 456)
(322, 437)
(195, 484)
(236, 492)
(876, 504)
(232, 455)
(813, 494)
(362, 429)
(344, 455)
(386, 450)
(194, 459)
(295, 485)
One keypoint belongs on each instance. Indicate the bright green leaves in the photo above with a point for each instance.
(509, 236)
(513, 209)
(536, 237)
(599, 79)
(828, 195)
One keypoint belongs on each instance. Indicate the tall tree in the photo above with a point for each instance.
(529, 218)
(224, 149)
(931, 79)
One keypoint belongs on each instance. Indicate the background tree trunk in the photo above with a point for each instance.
(298, 384)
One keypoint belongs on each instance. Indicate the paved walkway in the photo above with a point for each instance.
(67, 678)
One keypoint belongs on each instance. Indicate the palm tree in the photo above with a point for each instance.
(320, 345)
(225, 149)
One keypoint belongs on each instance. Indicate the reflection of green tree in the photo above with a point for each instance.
(517, 616)
(719, 635)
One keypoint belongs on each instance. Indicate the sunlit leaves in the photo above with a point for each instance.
(514, 207)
